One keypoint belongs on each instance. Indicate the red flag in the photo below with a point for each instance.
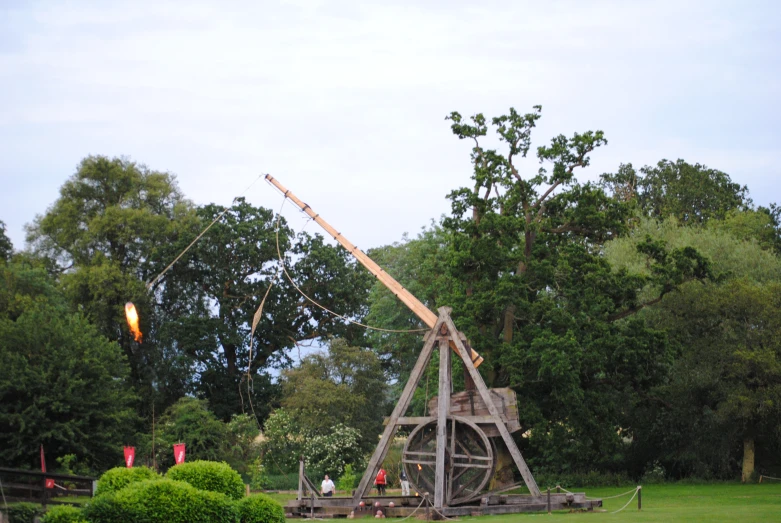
(130, 456)
(49, 482)
(179, 453)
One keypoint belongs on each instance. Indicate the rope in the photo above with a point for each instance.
(329, 311)
(628, 502)
(3, 493)
(219, 216)
(416, 509)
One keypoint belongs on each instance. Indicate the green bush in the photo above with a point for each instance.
(113, 508)
(63, 514)
(348, 479)
(260, 508)
(211, 476)
(120, 477)
(162, 500)
(23, 512)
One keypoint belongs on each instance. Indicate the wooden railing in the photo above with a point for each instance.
(30, 485)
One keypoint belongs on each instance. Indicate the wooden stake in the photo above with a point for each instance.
(401, 407)
(443, 406)
(486, 395)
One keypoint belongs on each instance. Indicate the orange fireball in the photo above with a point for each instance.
(132, 321)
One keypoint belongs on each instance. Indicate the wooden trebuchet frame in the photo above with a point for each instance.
(446, 337)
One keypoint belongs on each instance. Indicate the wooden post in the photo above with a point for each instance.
(486, 395)
(401, 407)
(312, 507)
(300, 478)
(443, 408)
(549, 500)
(639, 498)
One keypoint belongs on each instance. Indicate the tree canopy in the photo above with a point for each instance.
(63, 384)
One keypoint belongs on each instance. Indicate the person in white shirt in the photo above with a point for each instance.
(327, 488)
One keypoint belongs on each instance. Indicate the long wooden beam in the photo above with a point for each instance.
(406, 297)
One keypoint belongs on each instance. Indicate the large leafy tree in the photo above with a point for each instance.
(113, 228)
(525, 274)
(692, 193)
(233, 268)
(62, 384)
(717, 403)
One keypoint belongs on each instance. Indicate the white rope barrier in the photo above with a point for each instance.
(628, 502)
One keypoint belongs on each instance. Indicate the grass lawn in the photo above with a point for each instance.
(674, 502)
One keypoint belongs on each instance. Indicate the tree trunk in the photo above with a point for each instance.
(748, 460)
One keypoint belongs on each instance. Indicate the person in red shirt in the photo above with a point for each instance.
(380, 482)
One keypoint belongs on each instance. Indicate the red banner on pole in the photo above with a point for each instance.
(48, 482)
(130, 456)
(179, 453)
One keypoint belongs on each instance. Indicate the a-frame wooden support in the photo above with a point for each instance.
(445, 333)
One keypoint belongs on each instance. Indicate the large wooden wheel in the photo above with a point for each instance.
(469, 459)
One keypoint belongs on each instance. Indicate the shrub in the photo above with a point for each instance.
(211, 476)
(120, 477)
(63, 514)
(23, 512)
(347, 480)
(258, 478)
(260, 508)
(113, 508)
(162, 500)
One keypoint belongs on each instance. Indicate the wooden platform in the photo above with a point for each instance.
(404, 506)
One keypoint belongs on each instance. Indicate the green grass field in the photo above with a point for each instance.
(675, 502)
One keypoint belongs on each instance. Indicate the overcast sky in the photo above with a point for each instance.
(344, 102)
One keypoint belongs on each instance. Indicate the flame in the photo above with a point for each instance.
(419, 467)
(132, 321)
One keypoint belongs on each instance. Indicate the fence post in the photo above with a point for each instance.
(639, 497)
(549, 500)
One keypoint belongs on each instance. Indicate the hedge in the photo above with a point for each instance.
(119, 477)
(162, 500)
(260, 508)
(63, 514)
(211, 476)
(23, 512)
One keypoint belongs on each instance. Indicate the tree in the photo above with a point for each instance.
(697, 421)
(63, 384)
(6, 247)
(730, 365)
(115, 225)
(345, 385)
(528, 283)
(693, 194)
(189, 421)
(229, 272)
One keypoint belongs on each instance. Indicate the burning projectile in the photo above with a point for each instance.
(132, 321)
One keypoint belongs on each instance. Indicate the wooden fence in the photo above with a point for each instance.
(30, 485)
